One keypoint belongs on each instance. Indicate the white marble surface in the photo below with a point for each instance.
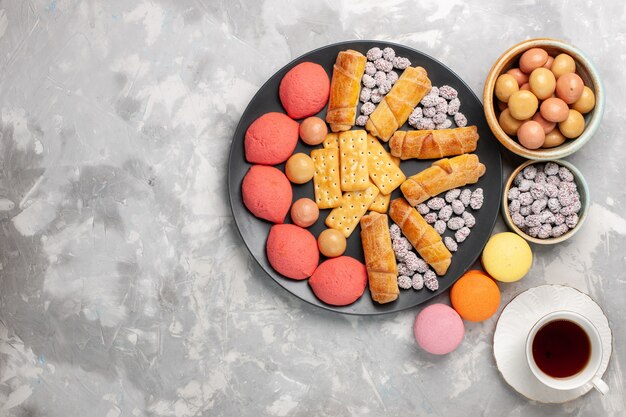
(124, 287)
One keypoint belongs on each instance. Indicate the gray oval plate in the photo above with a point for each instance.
(254, 231)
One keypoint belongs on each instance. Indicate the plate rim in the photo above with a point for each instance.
(322, 305)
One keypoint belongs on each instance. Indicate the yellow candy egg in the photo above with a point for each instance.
(508, 123)
(507, 257)
(523, 104)
(506, 84)
(563, 64)
(586, 102)
(542, 83)
(573, 126)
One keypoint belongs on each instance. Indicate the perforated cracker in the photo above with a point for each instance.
(381, 202)
(353, 160)
(326, 177)
(354, 205)
(381, 167)
(331, 141)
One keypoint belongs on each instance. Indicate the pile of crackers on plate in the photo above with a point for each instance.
(353, 173)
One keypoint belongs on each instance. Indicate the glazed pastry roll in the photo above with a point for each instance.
(345, 88)
(396, 107)
(424, 238)
(443, 175)
(431, 144)
(380, 259)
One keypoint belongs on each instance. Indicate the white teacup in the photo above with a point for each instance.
(588, 373)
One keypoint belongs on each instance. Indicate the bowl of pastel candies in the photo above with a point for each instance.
(545, 202)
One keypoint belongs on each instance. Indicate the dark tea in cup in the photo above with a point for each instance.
(561, 348)
(564, 351)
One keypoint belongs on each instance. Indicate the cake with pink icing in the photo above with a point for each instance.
(339, 281)
(292, 251)
(304, 90)
(271, 139)
(267, 193)
(438, 329)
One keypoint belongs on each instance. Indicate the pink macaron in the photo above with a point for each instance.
(438, 329)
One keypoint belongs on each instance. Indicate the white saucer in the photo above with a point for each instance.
(515, 323)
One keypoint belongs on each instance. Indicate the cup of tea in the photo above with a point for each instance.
(564, 351)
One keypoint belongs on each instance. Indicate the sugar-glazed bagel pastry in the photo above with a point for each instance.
(424, 238)
(380, 259)
(443, 175)
(431, 144)
(396, 107)
(345, 87)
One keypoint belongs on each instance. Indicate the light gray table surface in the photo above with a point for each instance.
(125, 289)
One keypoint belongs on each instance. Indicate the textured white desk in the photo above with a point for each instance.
(124, 287)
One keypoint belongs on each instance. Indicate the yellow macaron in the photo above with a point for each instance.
(507, 257)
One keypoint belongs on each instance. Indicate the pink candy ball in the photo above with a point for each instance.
(438, 329)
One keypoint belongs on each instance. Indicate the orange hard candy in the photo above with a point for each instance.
(475, 296)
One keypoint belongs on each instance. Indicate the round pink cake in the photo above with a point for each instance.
(304, 90)
(271, 139)
(267, 193)
(438, 329)
(339, 281)
(292, 251)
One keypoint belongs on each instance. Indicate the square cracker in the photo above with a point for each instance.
(331, 141)
(381, 202)
(326, 177)
(382, 170)
(353, 160)
(354, 205)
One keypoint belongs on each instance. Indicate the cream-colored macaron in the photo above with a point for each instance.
(507, 257)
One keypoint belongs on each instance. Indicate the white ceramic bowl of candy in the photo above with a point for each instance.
(545, 202)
